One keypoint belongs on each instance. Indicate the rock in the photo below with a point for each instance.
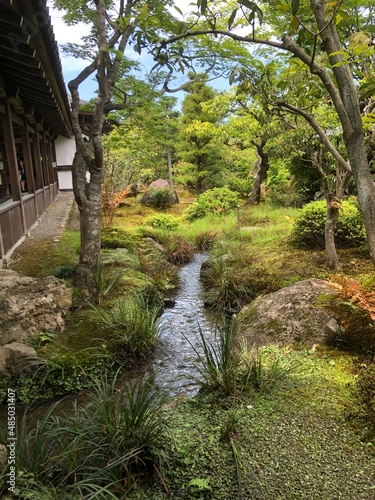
(288, 316)
(168, 302)
(15, 357)
(158, 184)
(31, 305)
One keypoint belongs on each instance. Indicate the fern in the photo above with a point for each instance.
(351, 303)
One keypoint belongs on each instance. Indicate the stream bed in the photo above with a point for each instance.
(176, 357)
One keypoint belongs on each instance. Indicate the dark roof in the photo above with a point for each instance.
(30, 66)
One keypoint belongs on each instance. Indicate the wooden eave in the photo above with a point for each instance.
(30, 66)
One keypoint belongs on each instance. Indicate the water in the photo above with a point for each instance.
(175, 360)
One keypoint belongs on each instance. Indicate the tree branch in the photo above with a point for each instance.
(318, 129)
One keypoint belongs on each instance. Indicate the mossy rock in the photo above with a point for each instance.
(288, 317)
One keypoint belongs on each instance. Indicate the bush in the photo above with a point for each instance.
(216, 201)
(162, 221)
(116, 237)
(160, 197)
(309, 227)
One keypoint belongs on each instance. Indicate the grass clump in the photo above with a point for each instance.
(131, 325)
(98, 451)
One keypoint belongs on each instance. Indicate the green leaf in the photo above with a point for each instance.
(295, 7)
(253, 7)
(338, 64)
(294, 24)
(178, 10)
(232, 18)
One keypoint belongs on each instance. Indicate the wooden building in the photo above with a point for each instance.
(34, 113)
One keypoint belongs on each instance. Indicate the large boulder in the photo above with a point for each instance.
(288, 316)
(31, 305)
(146, 198)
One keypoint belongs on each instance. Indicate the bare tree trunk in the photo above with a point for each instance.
(261, 170)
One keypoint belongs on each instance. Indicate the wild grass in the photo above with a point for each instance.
(131, 325)
(224, 368)
(97, 451)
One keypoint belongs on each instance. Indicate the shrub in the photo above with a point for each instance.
(309, 227)
(217, 201)
(353, 306)
(116, 237)
(162, 221)
(160, 197)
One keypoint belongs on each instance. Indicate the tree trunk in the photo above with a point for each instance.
(348, 109)
(329, 230)
(88, 198)
(261, 170)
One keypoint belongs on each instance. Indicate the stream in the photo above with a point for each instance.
(175, 361)
(176, 356)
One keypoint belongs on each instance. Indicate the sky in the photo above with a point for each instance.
(72, 66)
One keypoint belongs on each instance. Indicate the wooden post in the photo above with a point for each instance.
(27, 158)
(10, 148)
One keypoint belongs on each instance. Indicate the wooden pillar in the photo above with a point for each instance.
(45, 162)
(11, 154)
(27, 158)
(10, 148)
(38, 166)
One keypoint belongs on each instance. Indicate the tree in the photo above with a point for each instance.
(115, 26)
(200, 140)
(319, 47)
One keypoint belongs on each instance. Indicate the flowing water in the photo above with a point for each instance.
(176, 357)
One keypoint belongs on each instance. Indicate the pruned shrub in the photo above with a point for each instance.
(213, 201)
(162, 221)
(308, 231)
(160, 197)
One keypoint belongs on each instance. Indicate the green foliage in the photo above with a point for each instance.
(216, 201)
(365, 385)
(117, 237)
(160, 197)
(162, 221)
(218, 367)
(107, 282)
(178, 250)
(97, 451)
(132, 327)
(309, 227)
(58, 371)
